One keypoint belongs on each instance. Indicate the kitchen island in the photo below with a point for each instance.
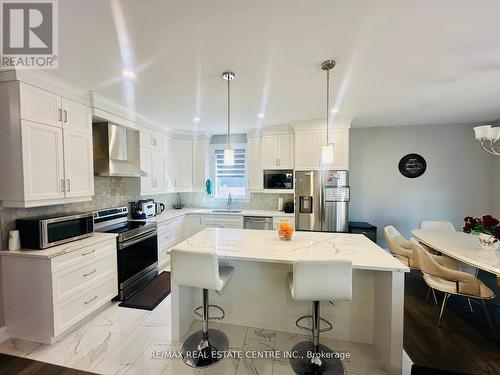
(258, 294)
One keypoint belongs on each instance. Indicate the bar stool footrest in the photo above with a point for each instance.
(220, 317)
(329, 326)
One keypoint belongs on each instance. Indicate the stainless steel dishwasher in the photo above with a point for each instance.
(258, 222)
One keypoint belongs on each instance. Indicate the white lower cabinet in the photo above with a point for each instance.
(170, 233)
(196, 223)
(45, 297)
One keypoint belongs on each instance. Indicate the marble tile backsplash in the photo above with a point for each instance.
(258, 201)
(109, 192)
(112, 192)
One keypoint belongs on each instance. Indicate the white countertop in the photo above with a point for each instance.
(172, 213)
(461, 246)
(265, 246)
(60, 249)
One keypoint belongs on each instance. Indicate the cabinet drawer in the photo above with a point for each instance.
(79, 306)
(77, 278)
(83, 254)
(222, 222)
(170, 224)
(169, 238)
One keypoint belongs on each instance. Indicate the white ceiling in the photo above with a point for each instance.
(399, 62)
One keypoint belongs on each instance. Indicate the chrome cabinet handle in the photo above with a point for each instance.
(60, 113)
(65, 116)
(90, 252)
(63, 187)
(69, 185)
(93, 299)
(90, 273)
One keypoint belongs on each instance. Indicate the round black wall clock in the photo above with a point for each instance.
(412, 165)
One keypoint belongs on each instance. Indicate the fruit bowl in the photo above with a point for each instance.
(285, 231)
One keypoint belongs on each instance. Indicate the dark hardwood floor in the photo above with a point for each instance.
(464, 343)
(10, 365)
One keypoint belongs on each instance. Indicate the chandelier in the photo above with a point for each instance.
(489, 137)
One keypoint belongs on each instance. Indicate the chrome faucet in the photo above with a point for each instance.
(229, 201)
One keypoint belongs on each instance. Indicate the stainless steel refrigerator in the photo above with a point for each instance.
(322, 200)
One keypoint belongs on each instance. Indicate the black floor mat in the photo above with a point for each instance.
(151, 295)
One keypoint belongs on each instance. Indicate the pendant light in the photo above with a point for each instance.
(327, 150)
(228, 152)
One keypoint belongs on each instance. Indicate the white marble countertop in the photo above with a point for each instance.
(461, 246)
(172, 213)
(265, 246)
(60, 249)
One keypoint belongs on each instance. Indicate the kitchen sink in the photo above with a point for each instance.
(226, 211)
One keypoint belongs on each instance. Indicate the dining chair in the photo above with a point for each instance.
(399, 246)
(450, 282)
(437, 225)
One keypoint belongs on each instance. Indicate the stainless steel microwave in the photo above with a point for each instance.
(44, 232)
(278, 179)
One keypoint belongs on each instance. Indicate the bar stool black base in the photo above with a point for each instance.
(302, 365)
(198, 353)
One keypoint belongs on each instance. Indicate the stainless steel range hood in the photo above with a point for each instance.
(116, 151)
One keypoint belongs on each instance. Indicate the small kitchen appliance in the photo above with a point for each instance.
(143, 209)
(46, 231)
(160, 207)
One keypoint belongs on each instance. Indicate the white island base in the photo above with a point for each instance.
(258, 294)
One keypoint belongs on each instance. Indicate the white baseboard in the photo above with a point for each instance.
(3, 334)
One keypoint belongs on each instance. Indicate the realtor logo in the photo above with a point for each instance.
(29, 34)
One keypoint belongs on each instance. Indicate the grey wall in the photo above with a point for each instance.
(495, 187)
(460, 179)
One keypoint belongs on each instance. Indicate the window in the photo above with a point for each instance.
(231, 179)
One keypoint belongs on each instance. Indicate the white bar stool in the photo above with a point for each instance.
(313, 280)
(200, 269)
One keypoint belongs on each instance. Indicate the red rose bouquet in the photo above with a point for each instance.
(486, 224)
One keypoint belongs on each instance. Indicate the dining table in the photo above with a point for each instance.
(464, 247)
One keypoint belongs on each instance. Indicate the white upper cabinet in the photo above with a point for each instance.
(183, 164)
(158, 163)
(76, 117)
(169, 164)
(152, 140)
(43, 162)
(277, 151)
(200, 164)
(147, 166)
(307, 150)
(255, 177)
(46, 147)
(78, 164)
(40, 106)
(285, 151)
(309, 142)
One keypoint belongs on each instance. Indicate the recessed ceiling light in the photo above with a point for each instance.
(261, 115)
(196, 119)
(128, 74)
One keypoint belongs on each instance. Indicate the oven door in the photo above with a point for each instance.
(279, 179)
(136, 257)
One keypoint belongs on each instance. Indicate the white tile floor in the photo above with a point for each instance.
(120, 341)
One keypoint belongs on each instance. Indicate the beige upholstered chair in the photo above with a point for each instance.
(436, 225)
(399, 246)
(449, 281)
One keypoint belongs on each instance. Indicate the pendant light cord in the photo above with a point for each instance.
(228, 113)
(327, 105)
